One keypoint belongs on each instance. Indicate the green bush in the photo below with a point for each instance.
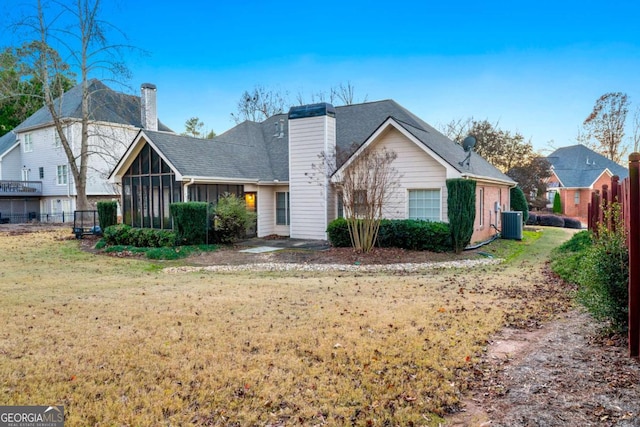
(557, 204)
(579, 242)
(191, 222)
(107, 214)
(398, 233)
(338, 233)
(599, 265)
(519, 203)
(415, 235)
(125, 235)
(604, 278)
(461, 210)
(231, 218)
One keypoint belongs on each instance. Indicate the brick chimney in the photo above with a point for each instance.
(148, 108)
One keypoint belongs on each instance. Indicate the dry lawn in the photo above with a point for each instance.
(119, 342)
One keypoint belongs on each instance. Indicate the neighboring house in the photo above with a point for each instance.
(270, 163)
(35, 177)
(575, 172)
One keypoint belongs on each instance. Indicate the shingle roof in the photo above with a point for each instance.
(260, 150)
(105, 105)
(355, 123)
(578, 166)
(7, 141)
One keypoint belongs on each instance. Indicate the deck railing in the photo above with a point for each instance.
(20, 188)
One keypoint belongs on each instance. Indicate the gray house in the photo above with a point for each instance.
(35, 177)
(269, 164)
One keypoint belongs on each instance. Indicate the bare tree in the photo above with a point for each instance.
(635, 137)
(366, 182)
(457, 129)
(345, 94)
(78, 30)
(606, 124)
(260, 104)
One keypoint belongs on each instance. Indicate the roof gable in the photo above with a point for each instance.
(105, 105)
(7, 141)
(578, 166)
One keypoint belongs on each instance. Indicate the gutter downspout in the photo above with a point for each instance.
(185, 190)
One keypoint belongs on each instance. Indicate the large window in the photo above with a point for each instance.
(149, 188)
(62, 175)
(28, 143)
(424, 204)
(282, 208)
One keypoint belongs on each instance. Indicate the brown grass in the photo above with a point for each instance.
(119, 342)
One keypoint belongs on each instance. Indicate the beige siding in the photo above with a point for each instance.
(308, 138)
(267, 211)
(418, 170)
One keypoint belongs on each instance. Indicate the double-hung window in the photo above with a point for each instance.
(28, 143)
(282, 208)
(62, 175)
(424, 204)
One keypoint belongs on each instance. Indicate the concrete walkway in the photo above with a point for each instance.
(285, 243)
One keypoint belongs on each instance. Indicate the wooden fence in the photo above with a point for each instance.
(627, 193)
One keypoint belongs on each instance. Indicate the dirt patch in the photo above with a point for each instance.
(232, 256)
(563, 373)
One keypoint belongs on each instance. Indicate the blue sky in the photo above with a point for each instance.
(534, 67)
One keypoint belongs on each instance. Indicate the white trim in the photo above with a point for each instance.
(132, 152)
(392, 123)
(482, 178)
(10, 149)
(216, 180)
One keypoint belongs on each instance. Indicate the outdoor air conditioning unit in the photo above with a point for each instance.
(512, 225)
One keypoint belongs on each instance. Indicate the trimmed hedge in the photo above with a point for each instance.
(399, 233)
(572, 223)
(125, 235)
(191, 222)
(550, 221)
(107, 214)
(338, 232)
(532, 220)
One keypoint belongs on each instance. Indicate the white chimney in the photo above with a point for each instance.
(312, 131)
(148, 107)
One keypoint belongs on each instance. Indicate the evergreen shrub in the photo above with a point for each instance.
(107, 214)
(399, 233)
(519, 203)
(191, 222)
(461, 203)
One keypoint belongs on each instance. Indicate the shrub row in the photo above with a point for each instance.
(126, 235)
(553, 221)
(399, 233)
(599, 265)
